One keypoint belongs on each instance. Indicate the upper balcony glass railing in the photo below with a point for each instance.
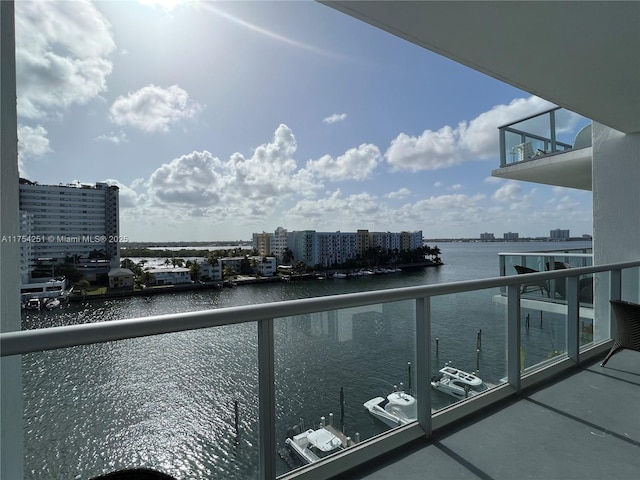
(556, 130)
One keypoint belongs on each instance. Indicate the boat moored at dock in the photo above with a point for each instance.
(458, 383)
(312, 445)
(398, 408)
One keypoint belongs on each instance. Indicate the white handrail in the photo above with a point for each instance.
(29, 341)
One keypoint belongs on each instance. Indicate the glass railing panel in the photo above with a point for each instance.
(539, 125)
(334, 362)
(543, 335)
(468, 333)
(166, 402)
(549, 132)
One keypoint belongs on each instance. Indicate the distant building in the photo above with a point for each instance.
(75, 221)
(121, 278)
(209, 272)
(511, 237)
(170, 276)
(332, 248)
(487, 237)
(558, 235)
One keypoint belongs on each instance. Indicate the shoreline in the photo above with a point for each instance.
(219, 285)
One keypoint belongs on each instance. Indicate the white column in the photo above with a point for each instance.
(616, 212)
(11, 453)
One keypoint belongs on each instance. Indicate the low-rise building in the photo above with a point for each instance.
(121, 278)
(170, 276)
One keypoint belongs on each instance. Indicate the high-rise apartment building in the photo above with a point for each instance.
(559, 235)
(511, 236)
(62, 221)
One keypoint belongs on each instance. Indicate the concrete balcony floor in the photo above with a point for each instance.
(585, 425)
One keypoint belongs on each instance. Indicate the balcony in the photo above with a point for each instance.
(545, 148)
(520, 420)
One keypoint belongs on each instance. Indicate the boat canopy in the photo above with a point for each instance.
(324, 440)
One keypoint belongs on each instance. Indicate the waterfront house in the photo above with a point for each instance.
(583, 56)
(170, 276)
(121, 279)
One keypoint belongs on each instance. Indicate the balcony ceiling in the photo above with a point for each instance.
(581, 55)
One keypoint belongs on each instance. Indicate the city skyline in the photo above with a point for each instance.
(217, 120)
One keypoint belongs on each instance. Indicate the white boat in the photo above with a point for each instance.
(33, 304)
(458, 383)
(52, 303)
(399, 408)
(339, 275)
(313, 445)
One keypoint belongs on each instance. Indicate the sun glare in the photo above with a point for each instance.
(166, 5)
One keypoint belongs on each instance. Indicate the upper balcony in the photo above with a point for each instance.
(545, 148)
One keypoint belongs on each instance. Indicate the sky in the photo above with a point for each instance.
(221, 119)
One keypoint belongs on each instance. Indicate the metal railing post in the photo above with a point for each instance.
(513, 337)
(616, 284)
(423, 361)
(267, 400)
(615, 291)
(573, 319)
(552, 129)
(503, 148)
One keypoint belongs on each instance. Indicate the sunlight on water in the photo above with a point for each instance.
(167, 401)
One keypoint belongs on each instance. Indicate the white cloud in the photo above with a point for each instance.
(128, 197)
(438, 184)
(448, 146)
(492, 180)
(62, 55)
(237, 188)
(402, 193)
(336, 117)
(338, 212)
(457, 186)
(509, 192)
(112, 137)
(153, 109)
(32, 142)
(355, 164)
(429, 151)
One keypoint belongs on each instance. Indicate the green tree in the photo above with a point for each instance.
(228, 272)
(287, 256)
(195, 271)
(144, 278)
(83, 286)
(131, 265)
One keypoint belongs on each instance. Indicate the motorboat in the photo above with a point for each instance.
(458, 383)
(33, 304)
(52, 303)
(339, 275)
(314, 444)
(399, 408)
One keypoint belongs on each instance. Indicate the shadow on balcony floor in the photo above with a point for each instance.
(583, 426)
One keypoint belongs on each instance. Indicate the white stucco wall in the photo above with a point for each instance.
(616, 210)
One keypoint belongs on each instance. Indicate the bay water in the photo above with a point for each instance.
(169, 402)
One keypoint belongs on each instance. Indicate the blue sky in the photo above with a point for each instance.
(220, 119)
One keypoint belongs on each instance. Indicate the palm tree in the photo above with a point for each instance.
(195, 271)
(228, 272)
(287, 256)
